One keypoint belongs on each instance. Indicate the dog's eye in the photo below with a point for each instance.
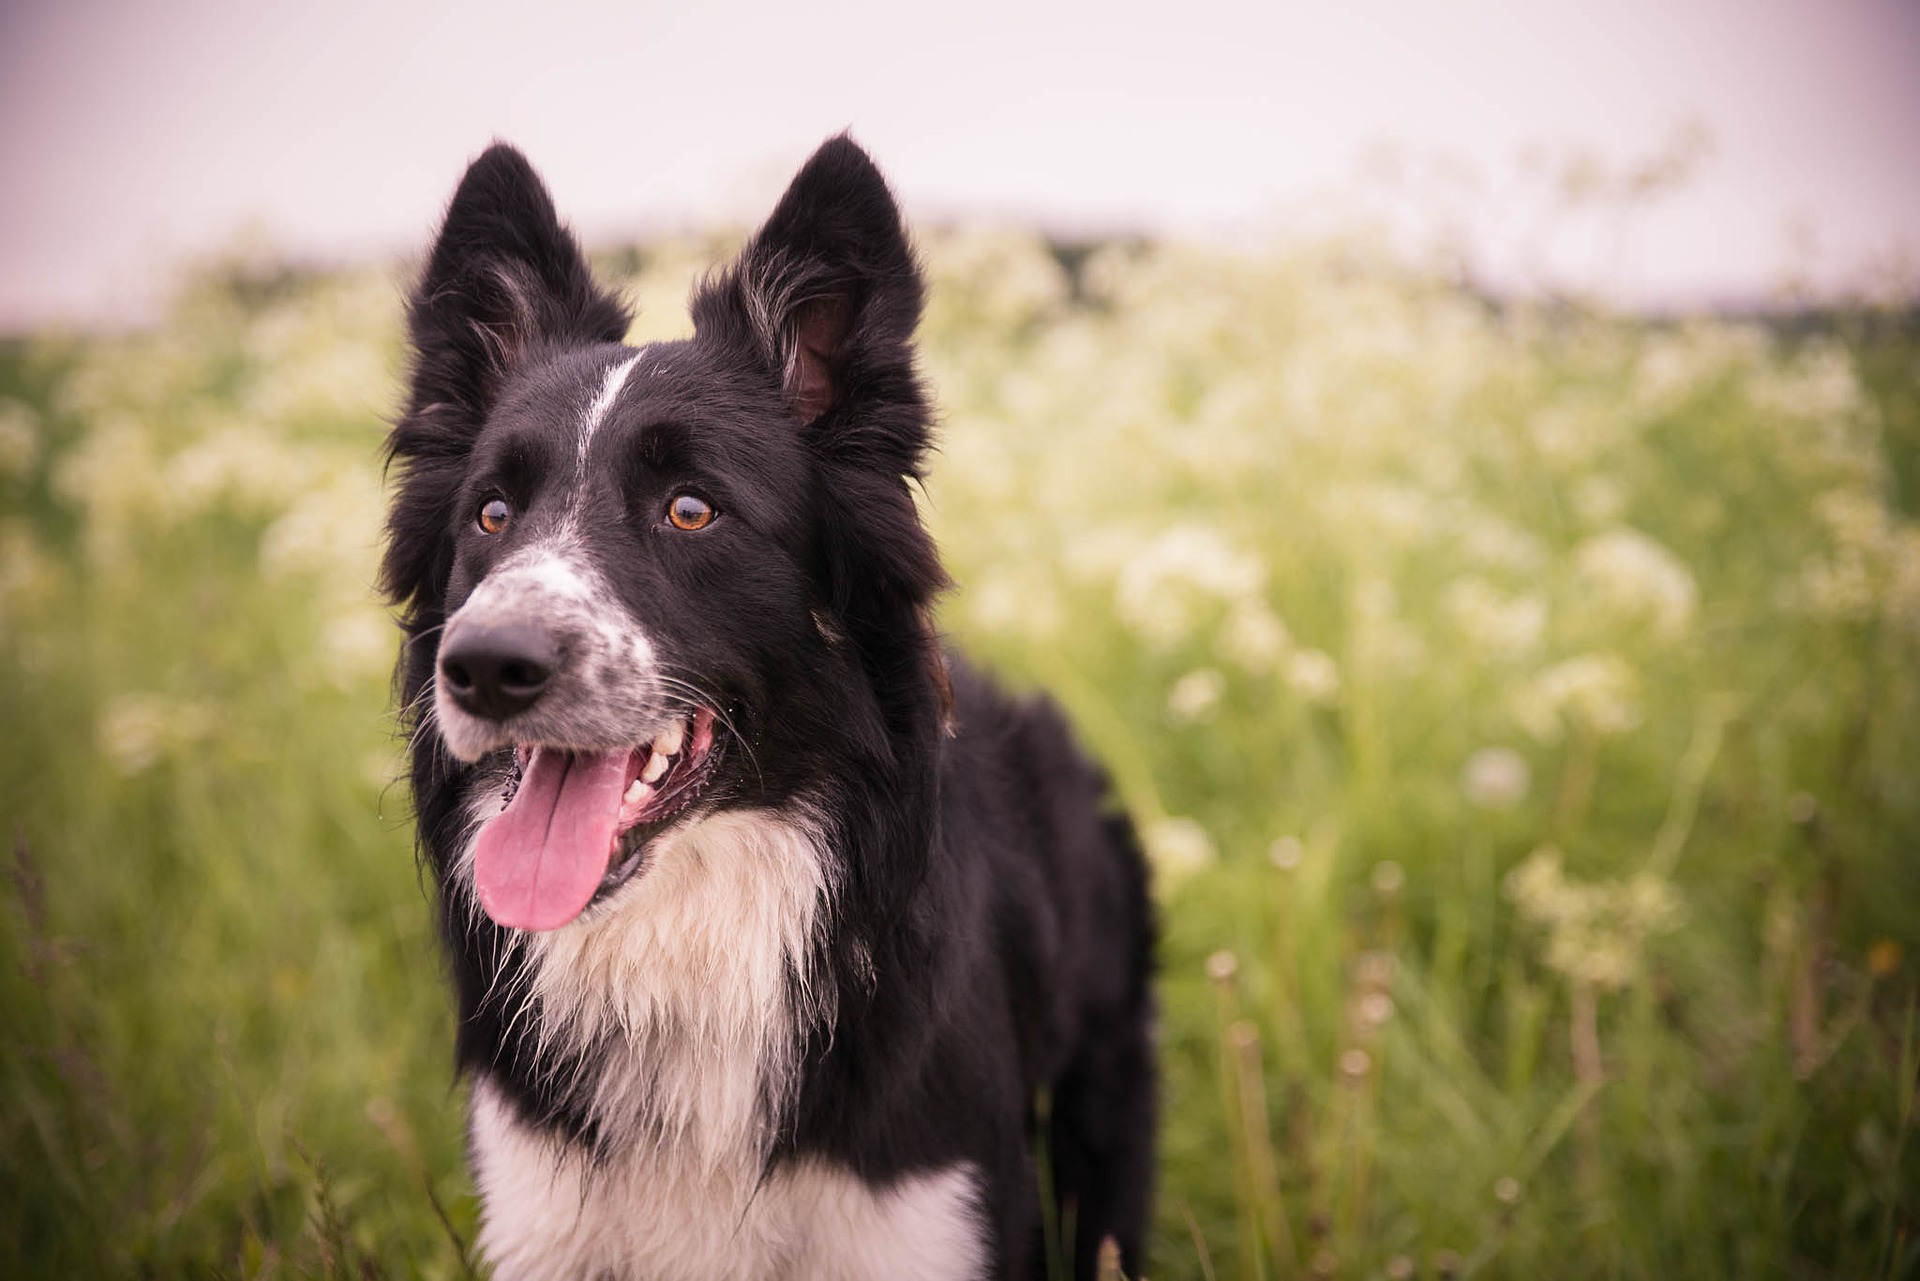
(690, 512)
(494, 515)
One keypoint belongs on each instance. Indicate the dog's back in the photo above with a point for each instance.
(1075, 935)
(1033, 931)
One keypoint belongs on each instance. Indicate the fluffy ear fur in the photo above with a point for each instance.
(504, 277)
(826, 296)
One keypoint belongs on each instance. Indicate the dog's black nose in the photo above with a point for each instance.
(497, 672)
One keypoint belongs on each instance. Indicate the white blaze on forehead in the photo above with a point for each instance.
(553, 566)
(534, 581)
(597, 411)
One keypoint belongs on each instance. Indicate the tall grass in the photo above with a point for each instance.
(1520, 706)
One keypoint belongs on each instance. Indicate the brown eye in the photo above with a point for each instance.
(689, 512)
(494, 515)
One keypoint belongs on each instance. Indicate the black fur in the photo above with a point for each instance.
(989, 940)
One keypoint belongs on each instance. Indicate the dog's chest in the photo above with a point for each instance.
(685, 995)
(653, 1214)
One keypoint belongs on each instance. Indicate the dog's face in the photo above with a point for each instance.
(627, 571)
(629, 577)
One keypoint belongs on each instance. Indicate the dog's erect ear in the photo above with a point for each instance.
(503, 276)
(825, 299)
(827, 295)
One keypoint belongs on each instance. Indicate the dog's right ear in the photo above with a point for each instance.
(504, 277)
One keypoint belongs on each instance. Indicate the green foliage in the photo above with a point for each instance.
(1520, 708)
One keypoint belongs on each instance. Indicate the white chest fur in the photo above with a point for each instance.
(682, 988)
(645, 1216)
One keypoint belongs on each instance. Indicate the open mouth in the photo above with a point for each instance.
(577, 824)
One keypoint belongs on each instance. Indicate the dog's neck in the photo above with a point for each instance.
(683, 1002)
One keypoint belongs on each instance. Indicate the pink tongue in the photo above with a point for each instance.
(537, 864)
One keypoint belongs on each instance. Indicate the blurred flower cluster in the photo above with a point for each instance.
(1468, 641)
(1595, 930)
(1306, 480)
(1238, 489)
(216, 483)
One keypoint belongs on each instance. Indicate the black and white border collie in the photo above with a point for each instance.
(784, 945)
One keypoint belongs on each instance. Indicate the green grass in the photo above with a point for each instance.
(1522, 708)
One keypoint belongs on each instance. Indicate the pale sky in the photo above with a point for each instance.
(135, 132)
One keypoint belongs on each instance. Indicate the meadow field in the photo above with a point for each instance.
(1520, 704)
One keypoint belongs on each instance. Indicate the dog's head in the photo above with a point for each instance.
(640, 584)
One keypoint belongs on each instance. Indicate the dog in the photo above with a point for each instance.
(784, 945)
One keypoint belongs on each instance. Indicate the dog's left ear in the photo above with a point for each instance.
(825, 299)
(827, 295)
(504, 278)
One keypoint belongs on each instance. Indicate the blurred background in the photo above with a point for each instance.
(1458, 464)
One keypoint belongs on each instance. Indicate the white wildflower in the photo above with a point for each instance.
(136, 730)
(1314, 676)
(1595, 931)
(1286, 852)
(1626, 572)
(26, 574)
(234, 464)
(1373, 1009)
(1854, 518)
(998, 280)
(1196, 696)
(1500, 627)
(1375, 600)
(1177, 847)
(1388, 878)
(1674, 365)
(1599, 692)
(329, 532)
(19, 437)
(1496, 778)
(1903, 580)
(133, 733)
(976, 455)
(1396, 514)
(1253, 636)
(320, 376)
(1100, 551)
(1497, 543)
(1598, 500)
(1819, 385)
(1161, 589)
(1838, 587)
(357, 645)
(1863, 565)
(1664, 376)
(1563, 435)
(1014, 604)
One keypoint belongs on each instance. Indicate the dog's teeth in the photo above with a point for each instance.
(656, 766)
(669, 740)
(638, 793)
